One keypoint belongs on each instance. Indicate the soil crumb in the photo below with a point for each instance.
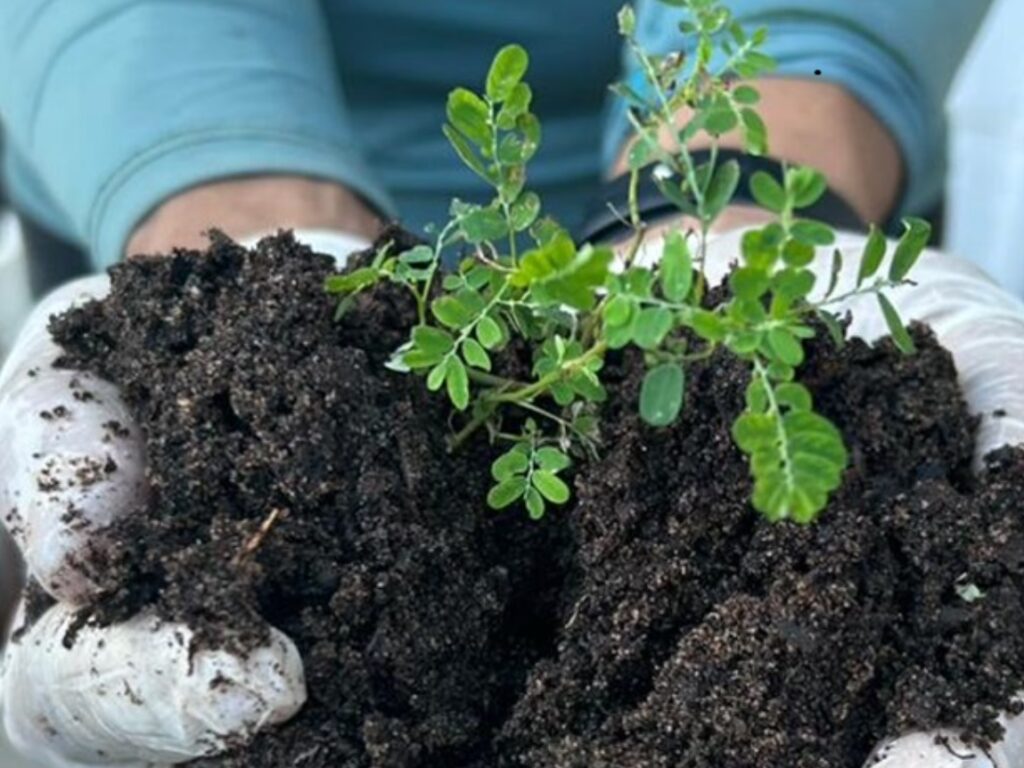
(656, 621)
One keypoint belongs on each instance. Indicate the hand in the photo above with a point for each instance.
(130, 694)
(983, 327)
(241, 207)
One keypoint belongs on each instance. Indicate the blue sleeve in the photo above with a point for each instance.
(897, 56)
(112, 106)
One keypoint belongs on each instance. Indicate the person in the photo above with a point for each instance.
(134, 125)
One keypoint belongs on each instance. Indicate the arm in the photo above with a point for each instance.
(166, 97)
(872, 120)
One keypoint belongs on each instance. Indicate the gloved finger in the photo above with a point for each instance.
(138, 693)
(71, 460)
(932, 750)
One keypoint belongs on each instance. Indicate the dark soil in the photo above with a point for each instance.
(656, 621)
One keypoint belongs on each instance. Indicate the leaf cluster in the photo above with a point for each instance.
(525, 278)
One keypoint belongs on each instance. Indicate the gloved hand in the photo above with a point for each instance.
(983, 327)
(131, 694)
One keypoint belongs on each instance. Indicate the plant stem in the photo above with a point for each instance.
(421, 298)
(543, 384)
(523, 394)
(776, 413)
(483, 377)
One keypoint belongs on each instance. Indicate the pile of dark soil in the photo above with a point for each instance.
(656, 621)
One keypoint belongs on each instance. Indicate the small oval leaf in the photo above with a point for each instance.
(661, 394)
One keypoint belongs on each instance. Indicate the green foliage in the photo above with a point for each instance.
(523, 278)
(529, 471)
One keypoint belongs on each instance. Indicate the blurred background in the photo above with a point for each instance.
(982, 219)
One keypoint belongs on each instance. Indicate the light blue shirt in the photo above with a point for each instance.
(112, 106)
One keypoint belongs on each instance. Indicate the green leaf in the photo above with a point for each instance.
(745, 342)
(900, 336)
(481, 225)
(708, 325)
(450, 312)
(767, 192)
(511, 182)
(506, 492)
(534, 504)
(489, 333)
(417, 256)
(627, 21)
(558, 274)
(457, 380)
(551, 487)
(661, 394)
(755, 132)
(467, 154)
(674, 192)
(874, 252)
(834, 272)
(435, 380)
(806, 186)
(795, 396)
(791, 284)
(720, 120)
(913, 242)
(756, 396)
(754, 431)
(786, 346)
(797, 253)
(524, 211)
(513, 151)
(796, 460)
(748, 283)
(509, 464)
(746, 94)
(475, 355)
(722, 188)
(517, 104)
(432, 340)
(640, 153)
(676, 270)
(507, 70)
(552, 459)
(651, 327)
(834, 328)
(760, 248)
(470, 116)
(618, 311)
(353, 281)
(813, 232)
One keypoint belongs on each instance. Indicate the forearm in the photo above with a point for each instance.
(248, 206)
(821, 125)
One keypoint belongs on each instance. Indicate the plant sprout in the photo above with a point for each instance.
(572, 306)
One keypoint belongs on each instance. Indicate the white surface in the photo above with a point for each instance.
(985, 190)
(10, 759)
(14, 296)
(13, 307)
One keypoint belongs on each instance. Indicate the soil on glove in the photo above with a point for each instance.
(655, 621)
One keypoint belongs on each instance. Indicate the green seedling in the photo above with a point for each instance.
(573, 306)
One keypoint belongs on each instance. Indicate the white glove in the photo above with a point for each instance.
(983, 327)
(126, 695)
